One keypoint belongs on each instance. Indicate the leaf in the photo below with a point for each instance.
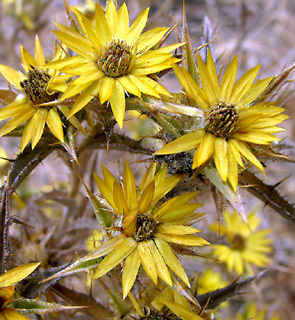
(269, 195)
(31, 306)
(233, 198)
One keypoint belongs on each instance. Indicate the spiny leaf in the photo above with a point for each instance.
(31, 306)
(269, 195)
(218, 296)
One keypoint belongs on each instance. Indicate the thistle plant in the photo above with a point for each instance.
(142, 208)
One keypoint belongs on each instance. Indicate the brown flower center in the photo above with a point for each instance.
(237, 242)
(115, 59)
(35, 86)
(154, 315)
(145, 227)
(222, 120)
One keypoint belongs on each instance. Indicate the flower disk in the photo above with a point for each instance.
(147, 227)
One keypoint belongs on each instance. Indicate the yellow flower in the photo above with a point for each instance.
(251, 312)
(7, 287)
(31, 107)
(113, 58)
(232, 123)
(209, 280)
(246, 245)
(147, 226)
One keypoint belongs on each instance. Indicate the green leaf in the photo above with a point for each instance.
(31, 306)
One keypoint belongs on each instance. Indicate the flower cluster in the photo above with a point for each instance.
(143, 246)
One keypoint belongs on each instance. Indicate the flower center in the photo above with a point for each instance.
(145, 227)
(154, 315)
(35, 86)
(237, 242)
(222, 120)
(115, 59)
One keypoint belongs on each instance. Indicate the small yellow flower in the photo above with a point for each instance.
(209, 280)
(245, 246)
(147, 226)
(232, 123)
(113, 58)
(31, 107)
(7, 287)
(251, 312)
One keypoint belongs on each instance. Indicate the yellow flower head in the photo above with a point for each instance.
(148, 226)
(233, 123)
(31, 107)
(113, 58)
(245, 246)
(7, 287)
(209, 280)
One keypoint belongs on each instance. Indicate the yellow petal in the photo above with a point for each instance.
(228, 80)
(129, 187)
(89, 30)
(148, 177)
(212, 72)
(243, 85)
(185, 240)
(129, 86)
(54, 124)
(39, 120)
(187, 142)
(38, 52)
(220, 157)
(205, 150)
(246, 152)
(16, 108)
(130, 271)
(73, 120)
(181, 311)
(101, 25)
(155, 85)
(254, 136)
(106, 192)
(161, 266)
(148, 39)
(11, 75)
(254, 91)
(190, 86)
(11, 314)
(147, 260)
(76, 42)
(27, 59)
(207, 84)
(174, 229)
(232, 170)
(143, 86)
(112, 17)
(165, 186)
(106, 248)
(123, 22)
(171, 260)
(146, 198)
(85, 97)
(106, 88)
(17, 274)
(117, 101)
(118, 254)
(119, 199)
(137, 27)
